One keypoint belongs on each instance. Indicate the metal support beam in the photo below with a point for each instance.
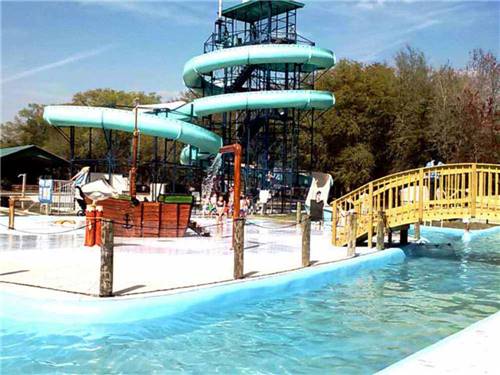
(71, 150)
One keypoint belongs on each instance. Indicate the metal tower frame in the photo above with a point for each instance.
(270, 137)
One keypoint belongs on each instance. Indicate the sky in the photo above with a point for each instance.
(52, 50)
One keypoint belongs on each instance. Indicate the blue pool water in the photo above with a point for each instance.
(359, 326)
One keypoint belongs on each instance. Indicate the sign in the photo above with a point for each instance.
(45, 190)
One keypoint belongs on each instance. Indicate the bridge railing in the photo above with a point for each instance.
(442, 192)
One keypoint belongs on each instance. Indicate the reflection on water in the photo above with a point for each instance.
(485, 249)
(39, 242)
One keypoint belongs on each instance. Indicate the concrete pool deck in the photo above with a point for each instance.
(473, 350)
(146, 265)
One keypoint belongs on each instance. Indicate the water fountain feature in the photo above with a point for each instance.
(208, 182)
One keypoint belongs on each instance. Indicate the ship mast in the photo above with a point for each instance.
(135, 141)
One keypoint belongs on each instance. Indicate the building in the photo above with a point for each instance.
(32, 160)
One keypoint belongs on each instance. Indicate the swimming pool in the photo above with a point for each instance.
(359, 325)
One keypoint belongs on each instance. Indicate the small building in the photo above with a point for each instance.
(32, 160)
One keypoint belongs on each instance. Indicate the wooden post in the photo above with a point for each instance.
(135, 146)
(417, 230)
(480, 191)
(380, 230)
(370, 215)
(23, 189)
(236, 150)
(421, 195)
(106, 276)
(403, 236)
(473, 190)
(237, 181)
(12, 212)
(299, 213)
(238, 246)
(334, 223)
(98, 225)
(306, 241)
(389, 237)
(352, 227)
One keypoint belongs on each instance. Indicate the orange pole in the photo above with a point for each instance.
(236, 150)
(90, 226)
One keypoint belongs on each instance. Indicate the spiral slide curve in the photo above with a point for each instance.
(176, 124)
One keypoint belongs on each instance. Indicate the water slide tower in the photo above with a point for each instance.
(269, 136)
(253, 85)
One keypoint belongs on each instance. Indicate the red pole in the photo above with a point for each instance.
(236, 150)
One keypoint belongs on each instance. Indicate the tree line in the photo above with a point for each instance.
(387, 118)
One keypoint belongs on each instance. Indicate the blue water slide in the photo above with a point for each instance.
(122, 120)
(178, 124)
(276, 56)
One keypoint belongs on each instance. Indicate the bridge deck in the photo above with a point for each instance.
(451, 191)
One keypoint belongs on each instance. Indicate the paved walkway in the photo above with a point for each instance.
(474, 350)
(59, 261)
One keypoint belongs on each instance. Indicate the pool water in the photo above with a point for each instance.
(359, 326)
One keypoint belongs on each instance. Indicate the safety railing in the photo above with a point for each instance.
(63, 198)
(444, 192)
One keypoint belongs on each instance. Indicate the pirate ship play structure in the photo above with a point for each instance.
(167, 216)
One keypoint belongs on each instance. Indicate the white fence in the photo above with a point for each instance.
(58, 196)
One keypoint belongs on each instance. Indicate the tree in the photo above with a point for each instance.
(409, 145)
(484, 72)
(465, 106)
(28, 127)
(480, 134)
(113, 98)
(121, 141)
(481, 106)
(380, 109)
(354, 166)
(361, 120)
(446, 128)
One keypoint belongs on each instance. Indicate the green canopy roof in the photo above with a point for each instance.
(12, 150)
(255, 10)
(30, 151)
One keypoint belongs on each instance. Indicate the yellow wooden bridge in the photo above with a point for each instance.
(451, 191)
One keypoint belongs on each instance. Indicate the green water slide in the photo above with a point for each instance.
(177, 124)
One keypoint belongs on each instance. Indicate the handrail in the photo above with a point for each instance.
(413, 170)
(449, 191)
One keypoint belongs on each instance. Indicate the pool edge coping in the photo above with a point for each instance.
(85, 310)
(418, 356)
